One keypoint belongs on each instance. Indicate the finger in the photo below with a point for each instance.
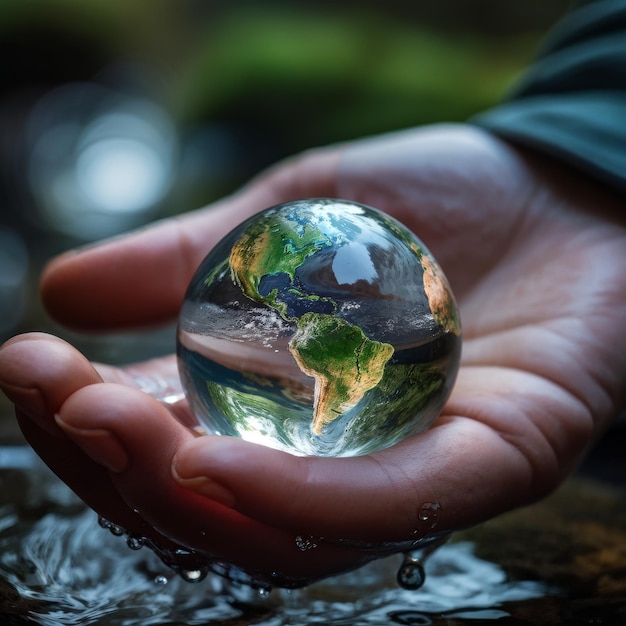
(373, 498)
(90, 481)
(38, 372)
(158, 378)
(457, 474)
(136, 439)
(141, 278)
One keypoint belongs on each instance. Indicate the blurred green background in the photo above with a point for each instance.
(115, 113)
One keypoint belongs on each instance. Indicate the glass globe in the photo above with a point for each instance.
(319, 327)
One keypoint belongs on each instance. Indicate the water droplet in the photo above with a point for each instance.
(411, 574)
(134, 543)
(193, 575)
(160, 580)
(264, 592)
(118, 531)
(429, 512)
(305, 543)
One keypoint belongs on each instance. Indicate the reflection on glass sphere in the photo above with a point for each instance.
(319, 327)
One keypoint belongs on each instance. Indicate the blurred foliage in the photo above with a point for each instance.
(316, 78)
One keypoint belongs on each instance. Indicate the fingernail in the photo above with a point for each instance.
(15, 382)
(29, 401)
(30, 404)
(185, 475)
(99, 444)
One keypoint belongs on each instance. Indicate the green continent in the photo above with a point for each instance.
(272, 245)
(343, 361)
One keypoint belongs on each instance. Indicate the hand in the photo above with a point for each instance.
(535, 256)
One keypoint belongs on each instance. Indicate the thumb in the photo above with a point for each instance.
(431, 483)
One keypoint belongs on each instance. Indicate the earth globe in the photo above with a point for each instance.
(319, 327)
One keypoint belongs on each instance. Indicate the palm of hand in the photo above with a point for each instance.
(537, 277)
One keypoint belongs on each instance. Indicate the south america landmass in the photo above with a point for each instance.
(344, 363)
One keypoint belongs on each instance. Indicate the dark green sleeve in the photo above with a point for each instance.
(571, 103)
